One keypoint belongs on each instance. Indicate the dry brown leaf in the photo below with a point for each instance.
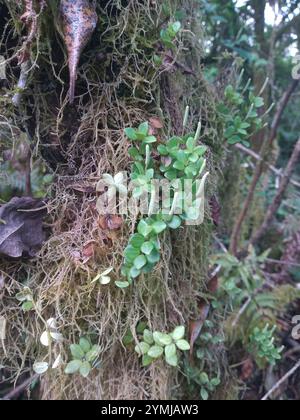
(204, 308)
(110, 222)
(21, 227)
(88, 250)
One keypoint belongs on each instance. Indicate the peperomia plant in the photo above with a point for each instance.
(262, 345)
(155, 345)
(240, 113)
(178, 160)
(84, 358)
(169, 34)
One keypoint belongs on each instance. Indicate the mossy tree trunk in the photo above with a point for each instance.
(119, 84)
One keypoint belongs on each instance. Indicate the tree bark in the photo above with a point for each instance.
(260, 167)
(294, 160)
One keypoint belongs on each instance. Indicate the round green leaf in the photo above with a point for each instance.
(183, 345)
(148, 337)
(142, 348)
(204, 378)
(131, 253)
(162, 339)
(144, 229)
(93, 353)
(130, 133)
(76, 351)
(147, 360)
(170, 351)
(147, 248)
(175, 223)
(85, 369)
(122, 284)
(137, 241)
(73, 367)
(204, 394)
(140, 262)
(155, 352)
(134, 272)
(173, 360)
(85, 344)
(178, 333)
(154, 257)
(40, 367)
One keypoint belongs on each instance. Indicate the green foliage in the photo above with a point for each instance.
(240, 279)
(201, 383)
(84, 357)
(262, 347)
(155, 345)
(239, 112)
(169, 34)
(180, 158)
(26, 298)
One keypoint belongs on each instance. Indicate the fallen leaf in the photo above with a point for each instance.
(88, 250)
(196, 326)
(247, 370)
(156, 123)
(204, 308)
(22, 233)
(215, 209)
(110, 222)
(213, 284)
(114, 222)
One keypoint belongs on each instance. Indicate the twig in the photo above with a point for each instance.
(260, 167)
(20, 388)
(272, 210)
(282, 381)
(241, 312)
(256, 156)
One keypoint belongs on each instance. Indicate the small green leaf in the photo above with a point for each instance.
(93, 354)
(85, 369)
(154, 257)
(162, 150)
(142, 348)
(147, 360)
(162, 339)
(27, 306)
(179, 165)
(85, 344)
(144, 229)
(147, 248)
(176, 27)
(122, 284)
(148, 337)
(130, 133)
(40, 367)
(76, 351)
(144, 128)
(183, 345)
(137, 241)
(170, 351)
(159, 227)
(171, 174)
(175, 223)
(150, 140)
(155, 352)
(204, 394)
(140, 262)
(204, 378)
(134, 272)
(73, 367)
(178, 333)
(173, 360)
(131, 253)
